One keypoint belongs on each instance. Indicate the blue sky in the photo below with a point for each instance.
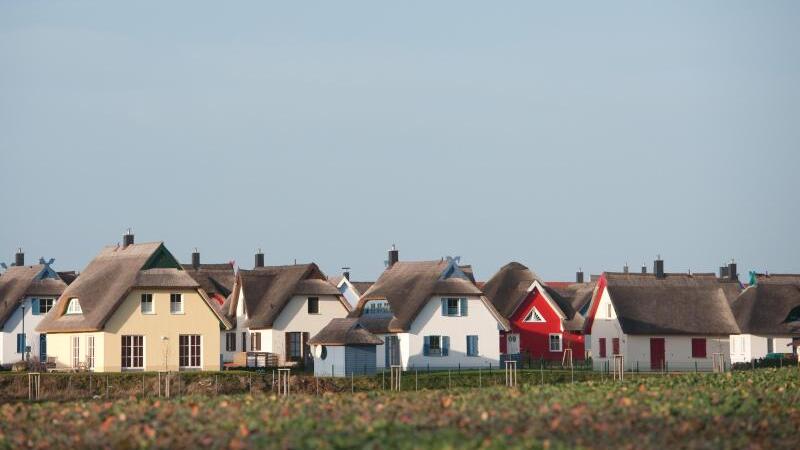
(558, 135)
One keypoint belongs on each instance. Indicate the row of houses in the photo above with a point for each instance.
(136, 307)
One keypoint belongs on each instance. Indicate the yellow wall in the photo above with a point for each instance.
(159, 353)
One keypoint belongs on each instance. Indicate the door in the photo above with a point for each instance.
(657, 353)
(512, 343)
(42, 347)
(392, 351)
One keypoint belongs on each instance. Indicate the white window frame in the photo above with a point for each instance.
(560, 342)
(530, 317)
(90, 352)
(458, 306)
(74, 306)
(191, 346)
(144, 355)
(172, 310)
(75, 351)
(144, 299)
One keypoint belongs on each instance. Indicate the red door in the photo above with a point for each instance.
(657, 353)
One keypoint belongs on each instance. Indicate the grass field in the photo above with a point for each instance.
(755, 409)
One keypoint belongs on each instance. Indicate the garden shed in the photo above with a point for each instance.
(344, 347)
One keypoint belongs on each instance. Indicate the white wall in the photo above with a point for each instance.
(349, 294)
(747, 347)
(430, 321)
(332, 365)
(13, 325)
(606, 326)
(380, 351)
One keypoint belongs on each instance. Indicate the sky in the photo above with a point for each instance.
(562, 135)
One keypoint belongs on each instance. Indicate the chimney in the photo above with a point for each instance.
(723, 272)
(346, 273)
(259, 258)
(127, 238)
(394, 255)
(732, 271)
(195, 259)
(658, 267)
(579, 276)
(644, 268)
(19, 258)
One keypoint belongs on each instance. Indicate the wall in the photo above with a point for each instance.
(380, 350)
(747, 347)
(59, 345)
(535, 336)
(606, 326)
(161, 354)
(333, 364)
(678, 352)
(430, 321)
(8, 346)
(295, 317)
(349, 294)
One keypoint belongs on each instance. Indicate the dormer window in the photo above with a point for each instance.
(377, 307)
(74, 306)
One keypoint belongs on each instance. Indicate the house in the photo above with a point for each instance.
(215, 279)
(27, 293)
(768, 314)
(276, 309)
(134, 308)
(543, 323)
(344, 347)
(351, 290)
(659, 320)
(430, 314)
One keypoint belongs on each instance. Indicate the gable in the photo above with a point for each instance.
(162, 259)
(536, 301)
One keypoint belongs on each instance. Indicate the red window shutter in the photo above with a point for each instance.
(615, 346)
(698, 348)
(602, 347)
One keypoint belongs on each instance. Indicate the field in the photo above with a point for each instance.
(751, 409)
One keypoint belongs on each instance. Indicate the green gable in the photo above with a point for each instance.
(162, 259)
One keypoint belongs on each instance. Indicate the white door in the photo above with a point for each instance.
(512, 343)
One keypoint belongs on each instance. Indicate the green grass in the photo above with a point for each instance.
(757, 409)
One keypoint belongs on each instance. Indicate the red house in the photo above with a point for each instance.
(543, 322)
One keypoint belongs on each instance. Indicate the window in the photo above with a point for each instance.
(609, 311)
(230, 342)
(176, 303)
(472, 345)
(132, 352)
(377, 307)
(698, 348)
(534, 316)
(146, 305)
(255, 341)
(323, 352)
(615, 346)
(454, 307)
(602, 345)
(189, 351)
(555, 342)
(294, 349)
(74, 306)
(76, 351)
(794, 315)
(436, 346)
(313, 305)
(45, 305)
(90, 352)
(20, 343)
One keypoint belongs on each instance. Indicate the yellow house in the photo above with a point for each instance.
(134, 308)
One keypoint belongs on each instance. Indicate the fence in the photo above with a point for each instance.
(81, 386)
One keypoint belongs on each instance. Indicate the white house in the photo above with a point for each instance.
(662, 321)
(768, 314)
(430, 314)
(27, 293)
(276, 309)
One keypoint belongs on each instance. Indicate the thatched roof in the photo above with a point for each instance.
(19, 282)
(579, 295)
(110, 276)
(694, 304)
(509, 288)
(764, 308)
(216, 279)
(267, 290)
(344, 332)
(408, 285)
